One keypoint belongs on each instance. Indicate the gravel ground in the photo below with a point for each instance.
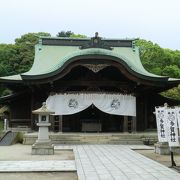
(38, 176)
(163, 159)
(19, 152)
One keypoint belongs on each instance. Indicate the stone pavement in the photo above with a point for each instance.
(37, 166)
(98, 162)
(117, 162)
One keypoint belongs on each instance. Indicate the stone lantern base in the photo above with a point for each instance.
(42, 148)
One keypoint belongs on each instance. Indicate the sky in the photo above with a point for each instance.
(154, 20)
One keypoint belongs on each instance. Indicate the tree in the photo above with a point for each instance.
(161, 61)
(64, 34)
(17, 58)
(156, 59)
(173, 93)
(151, 55)
(69, 34)
(172, 71)
(78, 36)
(25, 46)
(30, 38)
(8, 59)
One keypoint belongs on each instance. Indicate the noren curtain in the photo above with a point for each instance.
(118, 104)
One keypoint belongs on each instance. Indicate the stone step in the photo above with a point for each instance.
(138, 142)
(91, 138)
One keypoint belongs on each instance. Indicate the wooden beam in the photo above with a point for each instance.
(71, 83)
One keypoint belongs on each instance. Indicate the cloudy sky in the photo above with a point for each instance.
(155, 20)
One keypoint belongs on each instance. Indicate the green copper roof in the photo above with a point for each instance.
(51, 58)
(52, 54)
(48, 58)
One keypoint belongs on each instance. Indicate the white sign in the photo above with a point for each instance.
(172, 127)
(178, 115)
(161, 124)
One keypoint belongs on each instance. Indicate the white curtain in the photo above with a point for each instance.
(117, 104)
(64, 104)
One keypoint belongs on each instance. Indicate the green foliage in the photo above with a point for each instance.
(159, 61)
(172, 93)
(19, 138)
(17, 58)
(64, 34)
(171, 70)
(26, 45)
(69, 34)
(6, 92)
(8, 57)
(30, 38)
(78, 36)
(1, 125)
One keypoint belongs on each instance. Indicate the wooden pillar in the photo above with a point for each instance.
(133, 124)
(139, 113)
(145, 114)
(32, 108)
(60, 123)
(10, 117)
(125, 124)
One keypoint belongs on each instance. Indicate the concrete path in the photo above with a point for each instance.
(117, 162)
(37, 166)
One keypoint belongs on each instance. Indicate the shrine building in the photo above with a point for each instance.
(92, 85)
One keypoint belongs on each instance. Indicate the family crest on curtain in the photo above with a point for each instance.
(118, 104)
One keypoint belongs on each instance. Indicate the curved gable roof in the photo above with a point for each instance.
(51, 59)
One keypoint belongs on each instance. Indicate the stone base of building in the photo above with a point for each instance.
(42, 148)
(163, 148)
(148, 138)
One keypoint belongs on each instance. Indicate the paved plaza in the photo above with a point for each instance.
(117, 162)
(98, 162)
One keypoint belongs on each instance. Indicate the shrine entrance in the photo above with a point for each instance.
(86, 100)
(92, 120)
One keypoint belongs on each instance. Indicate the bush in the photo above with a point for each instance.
(19, 138)
(1, 125)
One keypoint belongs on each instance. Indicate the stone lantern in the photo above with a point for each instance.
(43, 145)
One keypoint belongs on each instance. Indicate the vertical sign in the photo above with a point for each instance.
(172, 127)
(161, 124)
(178, 116)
